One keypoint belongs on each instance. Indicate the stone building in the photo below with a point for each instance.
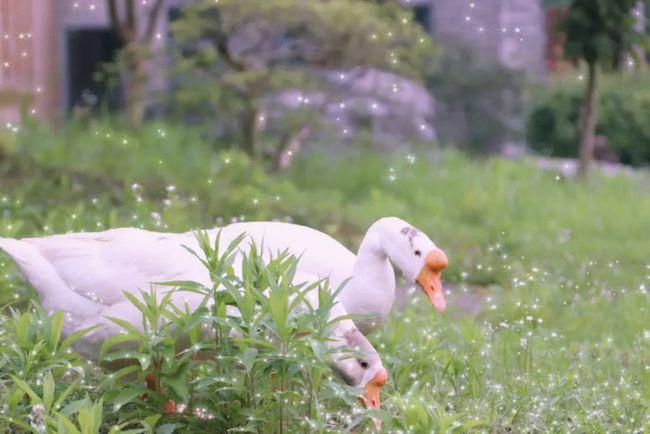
(50, 51)
(511, 32)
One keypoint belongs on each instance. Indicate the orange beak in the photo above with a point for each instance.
(430, 280)
(371, 394)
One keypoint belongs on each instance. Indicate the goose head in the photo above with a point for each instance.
(354, 359)
(416, 256)
(363, 368)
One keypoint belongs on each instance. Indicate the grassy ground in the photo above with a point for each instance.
(547, 329)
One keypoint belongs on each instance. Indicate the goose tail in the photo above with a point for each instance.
(32, 265)
(54, 293)
(18, 250)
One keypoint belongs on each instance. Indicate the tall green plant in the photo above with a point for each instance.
(247, 352)
(33, 344)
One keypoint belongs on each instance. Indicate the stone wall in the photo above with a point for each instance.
(508, 31)
(488, 40)
(27, 59)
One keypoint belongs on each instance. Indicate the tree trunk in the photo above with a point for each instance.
(288, 152)
(136, 82)
(136, 35)
(588, 121)
(249, 130)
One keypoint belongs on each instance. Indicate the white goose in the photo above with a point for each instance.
(84, 274)
(365, 371)
(370, 290)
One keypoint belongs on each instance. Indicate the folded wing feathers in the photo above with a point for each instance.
(41, 274)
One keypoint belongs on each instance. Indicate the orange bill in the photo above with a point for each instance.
(430, 278)
(371, 394)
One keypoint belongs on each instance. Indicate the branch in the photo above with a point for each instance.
(236, 87)
(131, 20)
(293, 146)
(221, 42)
(115, 20)
(154, 15)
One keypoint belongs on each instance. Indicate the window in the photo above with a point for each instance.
(88, 49)
(422, 15)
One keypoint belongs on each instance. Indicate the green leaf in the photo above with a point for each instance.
(35, 399)
(110, 379)
(167, 428)
(48, 390)
(178, 382)
(13, 421)
(248, 358)
(122, 355)
(74, 406)
(471, 424)
(127, 326)
(22, 330)
(64, 395)
(115, 340)
(136, 301)
(56, 325)
(128, 394)
(150, 422)
(15, 397)
(74, 337)
(90, 418)
(64, 426)
(145, 361)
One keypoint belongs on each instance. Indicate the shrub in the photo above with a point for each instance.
(478, 101)
(34, 345)
(554, 116)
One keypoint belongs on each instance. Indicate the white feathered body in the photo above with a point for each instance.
(85, 274)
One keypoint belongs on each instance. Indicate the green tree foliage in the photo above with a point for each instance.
(554, 113)
(480, 100)
(601, 33)
(234, 53)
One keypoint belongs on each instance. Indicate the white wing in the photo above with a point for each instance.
(320, 255)
(102, 265)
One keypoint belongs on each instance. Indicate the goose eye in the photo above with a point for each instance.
(418, 253)
(364, 364)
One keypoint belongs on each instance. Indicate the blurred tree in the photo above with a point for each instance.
(622, 127)
(601, 33)
(235, 53)
(478, 100)
(135, 27)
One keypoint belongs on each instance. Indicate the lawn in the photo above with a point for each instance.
(547, 329)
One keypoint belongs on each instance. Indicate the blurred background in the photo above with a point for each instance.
(489, 76)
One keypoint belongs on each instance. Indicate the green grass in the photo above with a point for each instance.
(558, 269)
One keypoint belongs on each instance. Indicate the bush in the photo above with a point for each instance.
(478, 101)
(267, 363)
(623, 113)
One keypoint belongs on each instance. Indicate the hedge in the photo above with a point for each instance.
(552, 125)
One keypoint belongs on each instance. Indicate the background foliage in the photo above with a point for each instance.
(552, 125)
